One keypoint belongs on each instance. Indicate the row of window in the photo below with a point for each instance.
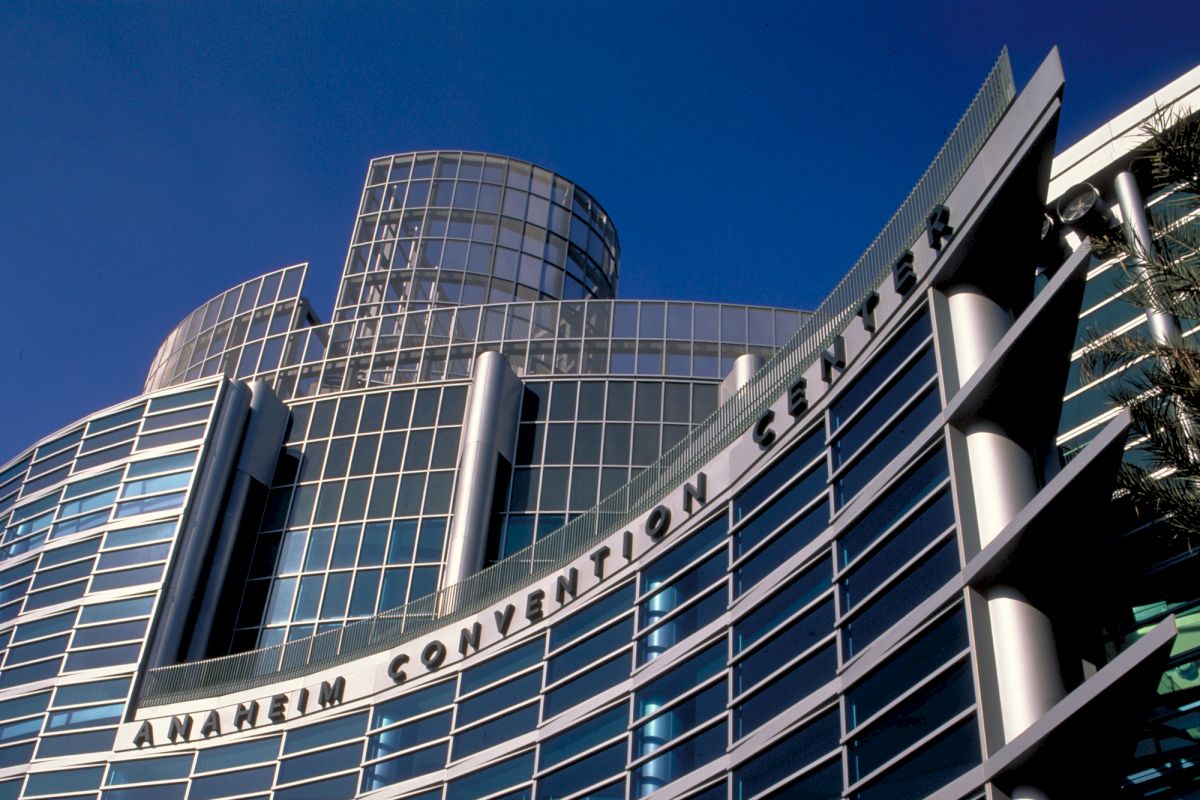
(258, 293)
(683, 322)
(475, 167)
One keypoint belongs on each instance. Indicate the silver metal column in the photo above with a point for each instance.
(201, 522)
(1003, 481)
(489, 428)
(1163, 326)
(260, 447)
(744, 367)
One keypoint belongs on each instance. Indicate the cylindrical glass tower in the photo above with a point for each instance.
(449, 228)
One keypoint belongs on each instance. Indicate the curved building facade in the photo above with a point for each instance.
(494, 533)
(450, 228)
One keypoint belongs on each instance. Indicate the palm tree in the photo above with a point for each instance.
(1161, 381)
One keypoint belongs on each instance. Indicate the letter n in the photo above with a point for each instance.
(181, 727)
(468, 638)
(695, 493)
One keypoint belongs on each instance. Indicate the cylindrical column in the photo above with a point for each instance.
(1002, 472)
(1027, 667)
(1003, 481)
(493, 404)
(1028, 793)
(978, 323)
(744, 367)
(1163, 326)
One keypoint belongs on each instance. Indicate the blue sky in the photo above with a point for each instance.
(152, 154)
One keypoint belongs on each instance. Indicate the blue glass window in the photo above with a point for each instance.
(904, 342)
(33, 672)
(777, 475)
(884, 448)
(853, 435)
(596, 646)
(404, 767)
(798, 592)
(492, 779)
(16, 754)
(685, 587)
(104, 612)
(341, 786)
(37, 650)
(922, 655)
(938, 763)
(126, 577)
(102, 657)
(587, 734)
(916, 716)
(585, 772)
(20, 730)
(181, 399)
(228, 784)
(499, 698)
(797, 637)
(411, 734)
(337, 730)
(501, 666)
(495, 731)
(163, 791)
(62, 555)
(679, 679)
(24, 706)
(413, 704)
(71, 572)
(682, 624)
(665, 726)
(103, 634)
(321, 762)
(160, 502)
(824, 781)
(794, 751)
(161, 483)
(133, 555)
(902, 496)
(679, 760)
(902, 545)
(60, 594)
(93, 484)
(148, 769)
(586, 686)
(787, 689)
(801, 494)
(930, 574)
(63, 780)
(98, 691)
(238, 755)
(86, 717)
(140, 534)
(683, 553)
(583, 620)
(785, 544)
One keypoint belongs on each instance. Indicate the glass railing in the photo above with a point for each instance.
(732, 419)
